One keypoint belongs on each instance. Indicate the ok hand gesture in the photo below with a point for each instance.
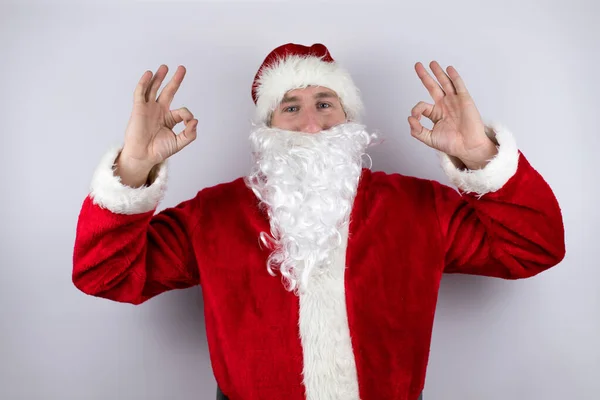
(149, 138)
(458, 129)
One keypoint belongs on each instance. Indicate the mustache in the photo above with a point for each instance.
(337, 141)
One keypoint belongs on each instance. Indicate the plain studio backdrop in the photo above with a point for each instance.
(67, 78)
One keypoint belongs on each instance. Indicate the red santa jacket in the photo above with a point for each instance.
(363, 329)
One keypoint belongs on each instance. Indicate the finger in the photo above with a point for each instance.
(442, 78)
(139, 95)
(419, 132)
(168, 93)
(426, 109)
(182, 114)
(457, 80)
(159, 76)
(188, 135)
(432, 86)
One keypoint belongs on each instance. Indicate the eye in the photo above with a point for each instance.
(324, 105)
(290, 109)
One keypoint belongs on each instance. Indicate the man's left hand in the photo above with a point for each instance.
(458, 129)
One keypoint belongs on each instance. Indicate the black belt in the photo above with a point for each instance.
(220, 395)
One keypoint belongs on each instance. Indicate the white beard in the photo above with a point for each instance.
(307, 183)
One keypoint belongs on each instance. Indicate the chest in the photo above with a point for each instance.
(266, 340)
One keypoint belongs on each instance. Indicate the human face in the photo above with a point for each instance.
(309, 110)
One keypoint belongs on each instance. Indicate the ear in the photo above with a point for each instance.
(348, 119)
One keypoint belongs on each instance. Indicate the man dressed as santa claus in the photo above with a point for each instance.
(320, 277)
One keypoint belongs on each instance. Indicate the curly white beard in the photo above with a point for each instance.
(307, 183)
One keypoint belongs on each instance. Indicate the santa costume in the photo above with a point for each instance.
(301, 305)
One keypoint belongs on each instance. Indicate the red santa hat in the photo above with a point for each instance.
(293, 66)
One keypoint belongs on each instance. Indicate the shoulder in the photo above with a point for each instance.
(380, 184)
(231, 206)
(396, 200)
(226, 192)
(226, 196)
(226, 200)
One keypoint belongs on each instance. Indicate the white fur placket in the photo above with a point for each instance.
(329, 364)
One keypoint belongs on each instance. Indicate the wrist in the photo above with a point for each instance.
(132, 172)
(480, 158)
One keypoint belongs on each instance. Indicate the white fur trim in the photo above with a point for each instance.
(296, 72)
(107, 191)
(498, 170)
(329, 364)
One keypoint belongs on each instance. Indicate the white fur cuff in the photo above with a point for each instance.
(107, 191)
(496, 173)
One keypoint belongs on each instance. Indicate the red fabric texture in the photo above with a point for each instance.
(404, 233)
(283, 51)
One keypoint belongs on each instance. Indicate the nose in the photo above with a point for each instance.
(311, 123)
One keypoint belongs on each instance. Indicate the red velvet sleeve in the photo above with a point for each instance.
(504, 221)
(126, 252)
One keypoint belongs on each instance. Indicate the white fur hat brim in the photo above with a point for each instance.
(296, 72)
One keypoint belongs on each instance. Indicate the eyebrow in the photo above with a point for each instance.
(320, 95)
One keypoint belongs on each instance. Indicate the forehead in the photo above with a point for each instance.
(310, 91)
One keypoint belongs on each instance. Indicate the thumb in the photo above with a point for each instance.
(188, 135)
(419, 132)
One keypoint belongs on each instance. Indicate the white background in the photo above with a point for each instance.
(67, 77)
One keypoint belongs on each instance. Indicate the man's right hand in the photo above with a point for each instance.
(149, 138)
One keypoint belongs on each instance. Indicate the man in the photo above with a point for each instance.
(337, 298)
